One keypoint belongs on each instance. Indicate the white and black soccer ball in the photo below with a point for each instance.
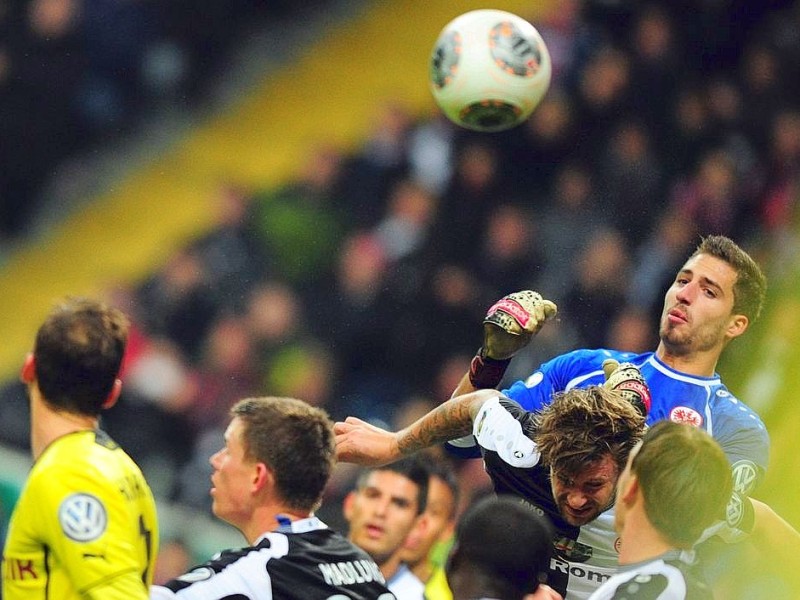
(489, 70)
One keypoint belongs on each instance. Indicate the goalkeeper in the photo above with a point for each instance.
(715, 296)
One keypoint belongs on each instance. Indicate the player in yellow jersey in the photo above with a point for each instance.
(85, 523)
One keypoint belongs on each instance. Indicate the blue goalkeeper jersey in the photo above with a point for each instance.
(701, 401)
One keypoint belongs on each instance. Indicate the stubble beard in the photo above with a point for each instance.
(680, 343)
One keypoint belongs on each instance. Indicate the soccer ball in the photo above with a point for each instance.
(489, 70)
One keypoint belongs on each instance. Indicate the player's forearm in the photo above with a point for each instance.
(464, 387)
(772, 530)
(450, 420)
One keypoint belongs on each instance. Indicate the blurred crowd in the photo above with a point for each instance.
(78, 73)
(361, 285)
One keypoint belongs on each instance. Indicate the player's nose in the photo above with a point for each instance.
(687, 293)
(576, 499)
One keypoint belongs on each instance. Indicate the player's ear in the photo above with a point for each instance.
(113, 395)
(347, 505)
(448, 531)
(737, 326)
(263, 477)
(630, 489)
(28, 372)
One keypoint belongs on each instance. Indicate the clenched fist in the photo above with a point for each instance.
(512, 321)
(627, 379)
(508, 327)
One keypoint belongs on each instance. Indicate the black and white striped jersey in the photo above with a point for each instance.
(667, 577)
(304, 560)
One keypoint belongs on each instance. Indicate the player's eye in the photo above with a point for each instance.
(401, 502)
(565, 481)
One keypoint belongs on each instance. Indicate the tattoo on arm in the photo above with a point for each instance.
(450, 420)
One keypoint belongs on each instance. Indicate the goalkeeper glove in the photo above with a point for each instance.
(626, 379)
(508, 327)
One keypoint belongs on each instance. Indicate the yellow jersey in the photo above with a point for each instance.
(84, 526)
(437, 588)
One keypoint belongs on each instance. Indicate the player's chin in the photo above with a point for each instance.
(217, 511)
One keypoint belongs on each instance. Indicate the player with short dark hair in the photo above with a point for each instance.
(268, 479)
(385, 505)
(502, 550)
(85, 523)
(434, 527)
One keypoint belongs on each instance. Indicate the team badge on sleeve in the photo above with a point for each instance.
(745, 476)
(83, 517)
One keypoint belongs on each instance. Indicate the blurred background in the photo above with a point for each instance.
(267, 190)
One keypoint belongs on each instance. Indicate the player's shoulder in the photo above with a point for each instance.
(593, 358)
(643, 586)
(729, 411)
(68, 453)
(657, 580)
(85, 459)
(584, 366)
(722, 399)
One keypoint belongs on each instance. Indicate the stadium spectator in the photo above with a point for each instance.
(383, 508)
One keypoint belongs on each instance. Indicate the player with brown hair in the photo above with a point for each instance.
(85, 524)
(564, 461)
(268, 480)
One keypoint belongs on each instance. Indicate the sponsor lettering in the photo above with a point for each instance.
(734, 511)
(582, 572)
(534, 380)
(131, 487)
(82, 517)
(533, 507)
(350, 572)
(19, 570)
(745, 476)
(512, 308)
